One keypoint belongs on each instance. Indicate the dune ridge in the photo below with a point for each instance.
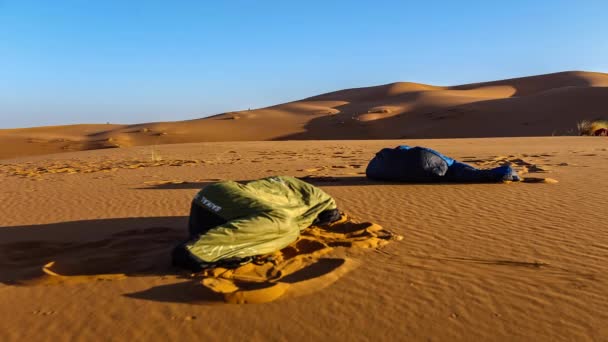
(542, 105)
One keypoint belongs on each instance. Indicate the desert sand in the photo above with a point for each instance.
(85, 236)
(542, 105)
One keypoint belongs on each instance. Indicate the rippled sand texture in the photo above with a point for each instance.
(85, 239)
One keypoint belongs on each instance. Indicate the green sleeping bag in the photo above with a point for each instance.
(258, 217)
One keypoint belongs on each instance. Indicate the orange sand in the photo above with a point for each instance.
(541, 105)
(518, 261)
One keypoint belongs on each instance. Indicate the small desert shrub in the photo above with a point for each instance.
(593, 127)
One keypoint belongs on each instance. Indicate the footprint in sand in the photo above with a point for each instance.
(28, 170)
(314, 169)
(519, 164)
(44, 312)
(533, 169)
(186, 318)
(349, 166)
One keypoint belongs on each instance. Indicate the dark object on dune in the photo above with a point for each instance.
(602, 132)
(230, 222)
(424, 165)
(597, 127)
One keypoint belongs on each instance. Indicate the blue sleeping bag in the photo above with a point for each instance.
(421, 164)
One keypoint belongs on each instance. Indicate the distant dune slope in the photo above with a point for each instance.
(528, 106)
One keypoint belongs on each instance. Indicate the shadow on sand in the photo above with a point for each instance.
(109, 249)
(315, 180)
(129, 246)
(114, 249)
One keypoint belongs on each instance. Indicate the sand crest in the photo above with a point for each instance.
(541, 105)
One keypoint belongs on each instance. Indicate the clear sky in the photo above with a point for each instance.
(128, 61)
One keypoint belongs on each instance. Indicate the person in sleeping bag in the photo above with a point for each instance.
(422, 164)
(230, 222)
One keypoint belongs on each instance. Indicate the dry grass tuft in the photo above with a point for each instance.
(597, 127)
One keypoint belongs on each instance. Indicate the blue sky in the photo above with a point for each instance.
(64, 62)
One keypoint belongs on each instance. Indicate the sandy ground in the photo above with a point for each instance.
(505, 262)
(542, 105)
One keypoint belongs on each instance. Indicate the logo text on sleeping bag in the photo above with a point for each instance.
(207, 203)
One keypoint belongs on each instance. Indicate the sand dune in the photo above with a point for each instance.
(542, 105)
(85, 235)
(85, 239)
